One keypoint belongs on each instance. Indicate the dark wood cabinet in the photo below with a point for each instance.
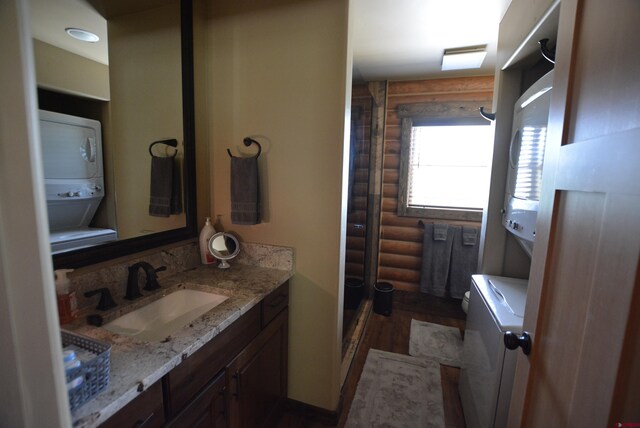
(238, 379)
(145, 411)
(208, 409)
(184, 382)
(257, 378)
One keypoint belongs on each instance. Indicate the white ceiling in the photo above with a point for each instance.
(392, 39)
(405, 39)
(49, 18)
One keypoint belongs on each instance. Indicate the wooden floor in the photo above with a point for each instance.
(392, 334)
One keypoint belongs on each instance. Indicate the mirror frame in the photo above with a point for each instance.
(112, 250)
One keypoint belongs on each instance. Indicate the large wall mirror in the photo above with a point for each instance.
(136, 82)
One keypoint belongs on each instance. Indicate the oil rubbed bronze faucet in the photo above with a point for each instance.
(106, 302)
(133, 291)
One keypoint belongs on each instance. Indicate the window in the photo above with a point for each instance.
(444, 168)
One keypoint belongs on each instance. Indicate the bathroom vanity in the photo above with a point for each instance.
(228, 368)
(237, 379)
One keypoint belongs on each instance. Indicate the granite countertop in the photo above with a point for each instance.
(136, 365)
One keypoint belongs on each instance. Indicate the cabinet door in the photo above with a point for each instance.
(257, 377)
(207, 410)
(185, 381)
(146, 410)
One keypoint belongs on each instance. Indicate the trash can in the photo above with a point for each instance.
(353, 292)
(382, 298)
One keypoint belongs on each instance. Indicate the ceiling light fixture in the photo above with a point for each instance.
(463, 58)
(83, 35)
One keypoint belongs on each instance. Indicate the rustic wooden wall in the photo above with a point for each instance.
(361, 103)
(401, 237)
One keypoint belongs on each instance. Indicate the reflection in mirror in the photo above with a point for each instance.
(141, 92)
(224, 246)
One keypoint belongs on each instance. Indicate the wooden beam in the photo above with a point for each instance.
(441, 109)
(378, 92)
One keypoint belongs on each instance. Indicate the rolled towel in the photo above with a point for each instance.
(245, 191)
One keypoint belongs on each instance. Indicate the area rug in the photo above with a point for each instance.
(397, 391)
(437, 342)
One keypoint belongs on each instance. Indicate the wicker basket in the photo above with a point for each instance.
(95, 373)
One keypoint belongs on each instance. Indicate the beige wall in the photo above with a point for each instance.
(279, 73)
(146, 106)
(33, 391)
(66, 72)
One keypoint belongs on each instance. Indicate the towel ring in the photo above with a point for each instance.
(170, 142)
(247, 142)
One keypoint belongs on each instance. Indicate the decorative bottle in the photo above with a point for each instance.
(67, 302)
(205, 234)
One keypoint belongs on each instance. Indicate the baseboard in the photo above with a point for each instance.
(319, 414)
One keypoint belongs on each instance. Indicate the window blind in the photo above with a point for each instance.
(449, 166)
(529, 166)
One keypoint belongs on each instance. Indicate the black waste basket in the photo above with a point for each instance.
(382, 298)
(353, 291)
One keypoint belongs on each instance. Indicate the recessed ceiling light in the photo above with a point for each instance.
(83, 35)
(463, 58)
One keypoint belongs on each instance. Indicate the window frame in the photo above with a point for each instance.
(407, 123)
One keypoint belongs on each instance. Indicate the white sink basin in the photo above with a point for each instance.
(159, 319)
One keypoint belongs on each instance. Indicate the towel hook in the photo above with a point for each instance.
(172, 142)
(247, 142)
(548, 53)
(489, 116)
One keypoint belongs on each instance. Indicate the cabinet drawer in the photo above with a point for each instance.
(185, 381)
(274, 303)
(146, 410)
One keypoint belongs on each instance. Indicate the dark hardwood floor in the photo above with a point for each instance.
(392, 334)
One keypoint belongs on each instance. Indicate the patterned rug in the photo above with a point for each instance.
(397, 391)
(437, 342)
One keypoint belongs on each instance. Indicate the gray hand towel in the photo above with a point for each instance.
(245, 191)
(464, 261)
(469, 235)
(436, 256)
(440, 231)
(176, 189)
(161, 186)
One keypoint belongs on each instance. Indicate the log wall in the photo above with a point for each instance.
(401, 237)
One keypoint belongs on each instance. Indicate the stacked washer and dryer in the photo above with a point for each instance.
(496, 304)
(74, 180)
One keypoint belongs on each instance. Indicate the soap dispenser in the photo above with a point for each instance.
(205, 234)
(67, 302)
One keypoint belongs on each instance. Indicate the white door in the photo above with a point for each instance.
(584, 291)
